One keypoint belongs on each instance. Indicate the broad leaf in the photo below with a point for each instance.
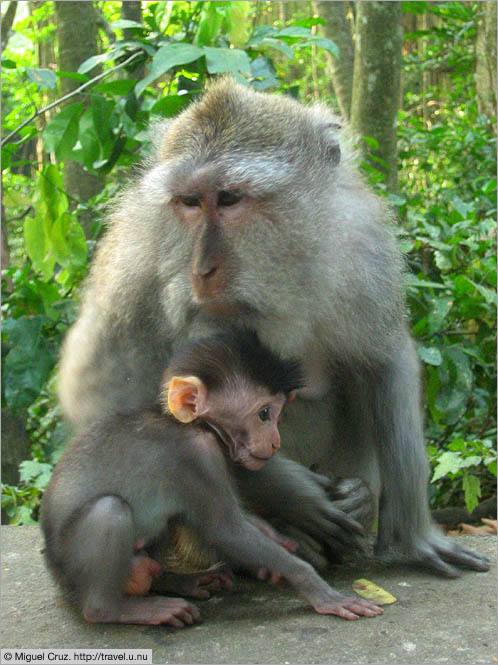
(219, 60)
(169, 56)
(61, 133)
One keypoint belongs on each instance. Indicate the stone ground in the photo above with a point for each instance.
(434, 621)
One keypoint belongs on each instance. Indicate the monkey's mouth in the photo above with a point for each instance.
(238, 454)
(225, 307)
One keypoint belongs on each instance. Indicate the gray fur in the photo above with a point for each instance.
(318, 274)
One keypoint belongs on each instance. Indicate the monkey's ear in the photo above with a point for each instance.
(332, 140)
(187, 397)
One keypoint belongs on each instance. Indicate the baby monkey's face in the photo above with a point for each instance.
(245, 416)
(246, 420)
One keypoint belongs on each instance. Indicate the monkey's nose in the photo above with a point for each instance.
(208, 273)
(206, 281)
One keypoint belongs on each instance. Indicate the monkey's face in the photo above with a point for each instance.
(244, 175)
(247, 424)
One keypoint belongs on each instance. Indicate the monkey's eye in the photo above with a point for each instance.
(264, 414)
(229, 198)
(191, 201)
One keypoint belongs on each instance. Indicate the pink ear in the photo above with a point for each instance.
(187, 398)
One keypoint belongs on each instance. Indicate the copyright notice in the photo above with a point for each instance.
(42, 656)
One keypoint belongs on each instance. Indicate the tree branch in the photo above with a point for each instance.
(68, 96)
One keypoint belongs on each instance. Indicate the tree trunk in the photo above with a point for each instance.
(7, 22)
(377, 81)
(338, 29)
(77, 35)
(132, 11)
(15, 445)
(486, 61)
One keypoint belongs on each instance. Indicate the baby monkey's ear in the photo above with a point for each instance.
(186, 398)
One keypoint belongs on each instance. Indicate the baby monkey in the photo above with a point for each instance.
(127, 482)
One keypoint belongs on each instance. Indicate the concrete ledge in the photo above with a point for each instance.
(434, 621)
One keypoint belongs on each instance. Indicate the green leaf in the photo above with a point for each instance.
(23, 516)
(492, 467)
(462, 208)
(49, 294)
(8, 64)
(89, 150)
(372, 143)
(170, 105)
(414, 7)
(430, 355)
(210, 23)
(219, 60)
(326, 44)
(310, 21)
(460, 361)
(61, 133)
(451, 401)
(81, 78)
(437, 316)
(443, 262)
(28, 362)
(263, 71)
(294, 31)
(13, 198)
(68, 241)
(44, 78)
(50, 189)
(36, 247)
(448, 462)
(167, 57)
(279, 45)
(102, 109)
(462, 285)
(95, 60)
(35, 473)
(471, 460)
(472, 491)
(118, 87)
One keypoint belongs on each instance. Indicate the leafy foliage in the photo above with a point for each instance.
(448, 178)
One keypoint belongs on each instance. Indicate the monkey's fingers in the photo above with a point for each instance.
(352, 496)
(324, 528)
(343, 520)
(348, 608)
(324, 481)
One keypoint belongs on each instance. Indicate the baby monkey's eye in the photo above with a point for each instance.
(264, 414)
(226, 198)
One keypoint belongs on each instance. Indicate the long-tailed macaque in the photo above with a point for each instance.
(126, 481)
(250, 213)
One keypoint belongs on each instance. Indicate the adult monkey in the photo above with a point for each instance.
(249, 213)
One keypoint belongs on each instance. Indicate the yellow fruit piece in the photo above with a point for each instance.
(371, 591)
